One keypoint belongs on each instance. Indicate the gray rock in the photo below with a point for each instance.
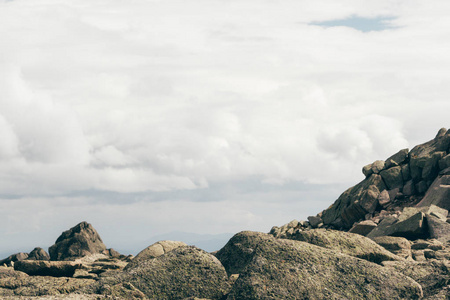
(154, 250)
(378, 166)
(383, 198)
(421, 187)
(38, 254)
(367, 170)
(10, 260)
(438, 229)
(408, 188)
(181, 273)
(347, 243)
(47, 268)
(287, 269)
(397, 158)
(314, 221)
(438, 193)
(383, 228)
(363, 227)
(444, 162)
(431, 168)
(393, 193)
(406, 173)
(397, 245)
(392, 177)
(81, 240)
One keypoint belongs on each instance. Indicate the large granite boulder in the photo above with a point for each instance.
(181, 273)
(79, 241)
(154, 250)
(438, 194)
(288, 269)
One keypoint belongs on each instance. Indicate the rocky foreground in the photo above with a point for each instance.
(387, 237)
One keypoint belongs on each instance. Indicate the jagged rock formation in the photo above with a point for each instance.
(78, 241)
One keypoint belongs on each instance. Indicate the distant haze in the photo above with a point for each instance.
(205, 116)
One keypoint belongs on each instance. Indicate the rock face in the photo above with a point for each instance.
(79, 241)
(287, 269)
(184, 272)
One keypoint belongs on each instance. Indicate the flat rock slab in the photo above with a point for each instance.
(438, 229)
(47, 268)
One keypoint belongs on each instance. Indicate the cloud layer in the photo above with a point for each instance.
(164, 96)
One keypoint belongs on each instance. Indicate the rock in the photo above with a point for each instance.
(79, 241)
(10, 260)
(412, 228)
(154, 250)
(393, 193)
(444, 162)
(347, 243)
(287, 269)
(113, 253)
(38, 254)
(363, 227)
(397, 245)
(431, 168)
(406, 173)
(8, 272)
(314, 221)
(408, 188)
(34, 286)
(353, 204)
(378, 166)
(181, 273)
(427, 244)
(438, 229)
(392, 177)
(438, 193)
(421, 187)
(383, 228)
(367, 170)
(432, 276)
(397, 159)
(47, 268)
(383, 198)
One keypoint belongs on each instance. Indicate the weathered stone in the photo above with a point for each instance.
(38, 254)
(444, 162)
(438, 229)
(287, 269)
(432, 276)
(427, 244)
(397, 245)
(363, 227)
(393, 193)
(383, 228)
(8, 272)
(412, 228)
(314, 221)
(47, 268)
(438, 193)
(347, 243)
(421, 187)
(79, 241)
(154, 250)
(378, 166)
(367, 170)
(383, 198)
(431, 168)
(397, 158)
(10, 260)
(181, 273)
(406, 173)
(408, 188)
(392, 177)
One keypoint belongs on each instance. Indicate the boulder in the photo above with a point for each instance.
(392, 177)
(181, 273)
(79, 241)
(154, 250)
(363, 227)
(314, 221)
(47, 268)
(38, 254)
(397, 159)
(8, 272)
(444, 162)
(438, 194)
(378, 166)
(397, 245)
(10, 260)
(384, 198)
(406, 173)
(411, 228)
(355, 202)
(288, 269)
(347, 243)
(383, 228)
(431, 275)
(438, 229)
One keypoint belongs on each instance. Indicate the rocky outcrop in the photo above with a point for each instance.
(79, 241)
(421, 176)
(288, 269)
(181, 273)
(38, 254)
(47, 268)
(10, 260)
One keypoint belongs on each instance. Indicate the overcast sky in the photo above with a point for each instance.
(145, 117)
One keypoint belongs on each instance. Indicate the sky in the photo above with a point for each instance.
(148, 117)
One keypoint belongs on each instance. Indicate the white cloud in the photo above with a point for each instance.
(170, 95)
